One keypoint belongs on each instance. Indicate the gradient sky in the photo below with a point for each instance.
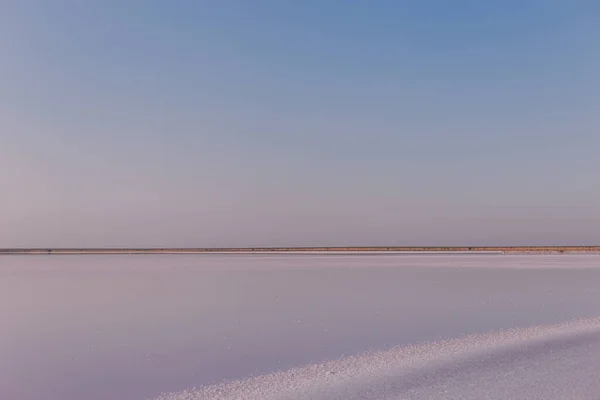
(275, 123)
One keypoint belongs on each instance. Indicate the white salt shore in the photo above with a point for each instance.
(551, 361)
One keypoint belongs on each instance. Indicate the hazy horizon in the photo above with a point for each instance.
(268, 124)
(396, 249)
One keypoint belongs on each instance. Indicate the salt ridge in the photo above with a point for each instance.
(408, 371)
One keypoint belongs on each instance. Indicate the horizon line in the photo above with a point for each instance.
(290, 249)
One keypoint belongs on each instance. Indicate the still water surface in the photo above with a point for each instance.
(132, 327)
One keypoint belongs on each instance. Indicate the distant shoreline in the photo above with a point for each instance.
(349, 249)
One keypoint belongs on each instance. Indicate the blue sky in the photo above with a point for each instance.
(271, 123)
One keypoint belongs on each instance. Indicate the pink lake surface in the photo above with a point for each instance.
(133, 327)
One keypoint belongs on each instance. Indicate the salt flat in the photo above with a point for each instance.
(550, 362)
(394, 326)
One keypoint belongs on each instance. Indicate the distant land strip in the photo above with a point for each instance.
(349, 249)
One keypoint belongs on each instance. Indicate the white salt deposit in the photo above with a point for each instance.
(551, 362)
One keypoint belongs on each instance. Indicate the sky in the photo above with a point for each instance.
(299, 123)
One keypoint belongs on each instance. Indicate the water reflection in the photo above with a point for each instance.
(130, 327)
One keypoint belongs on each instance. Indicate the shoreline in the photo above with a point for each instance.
(313, 250)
